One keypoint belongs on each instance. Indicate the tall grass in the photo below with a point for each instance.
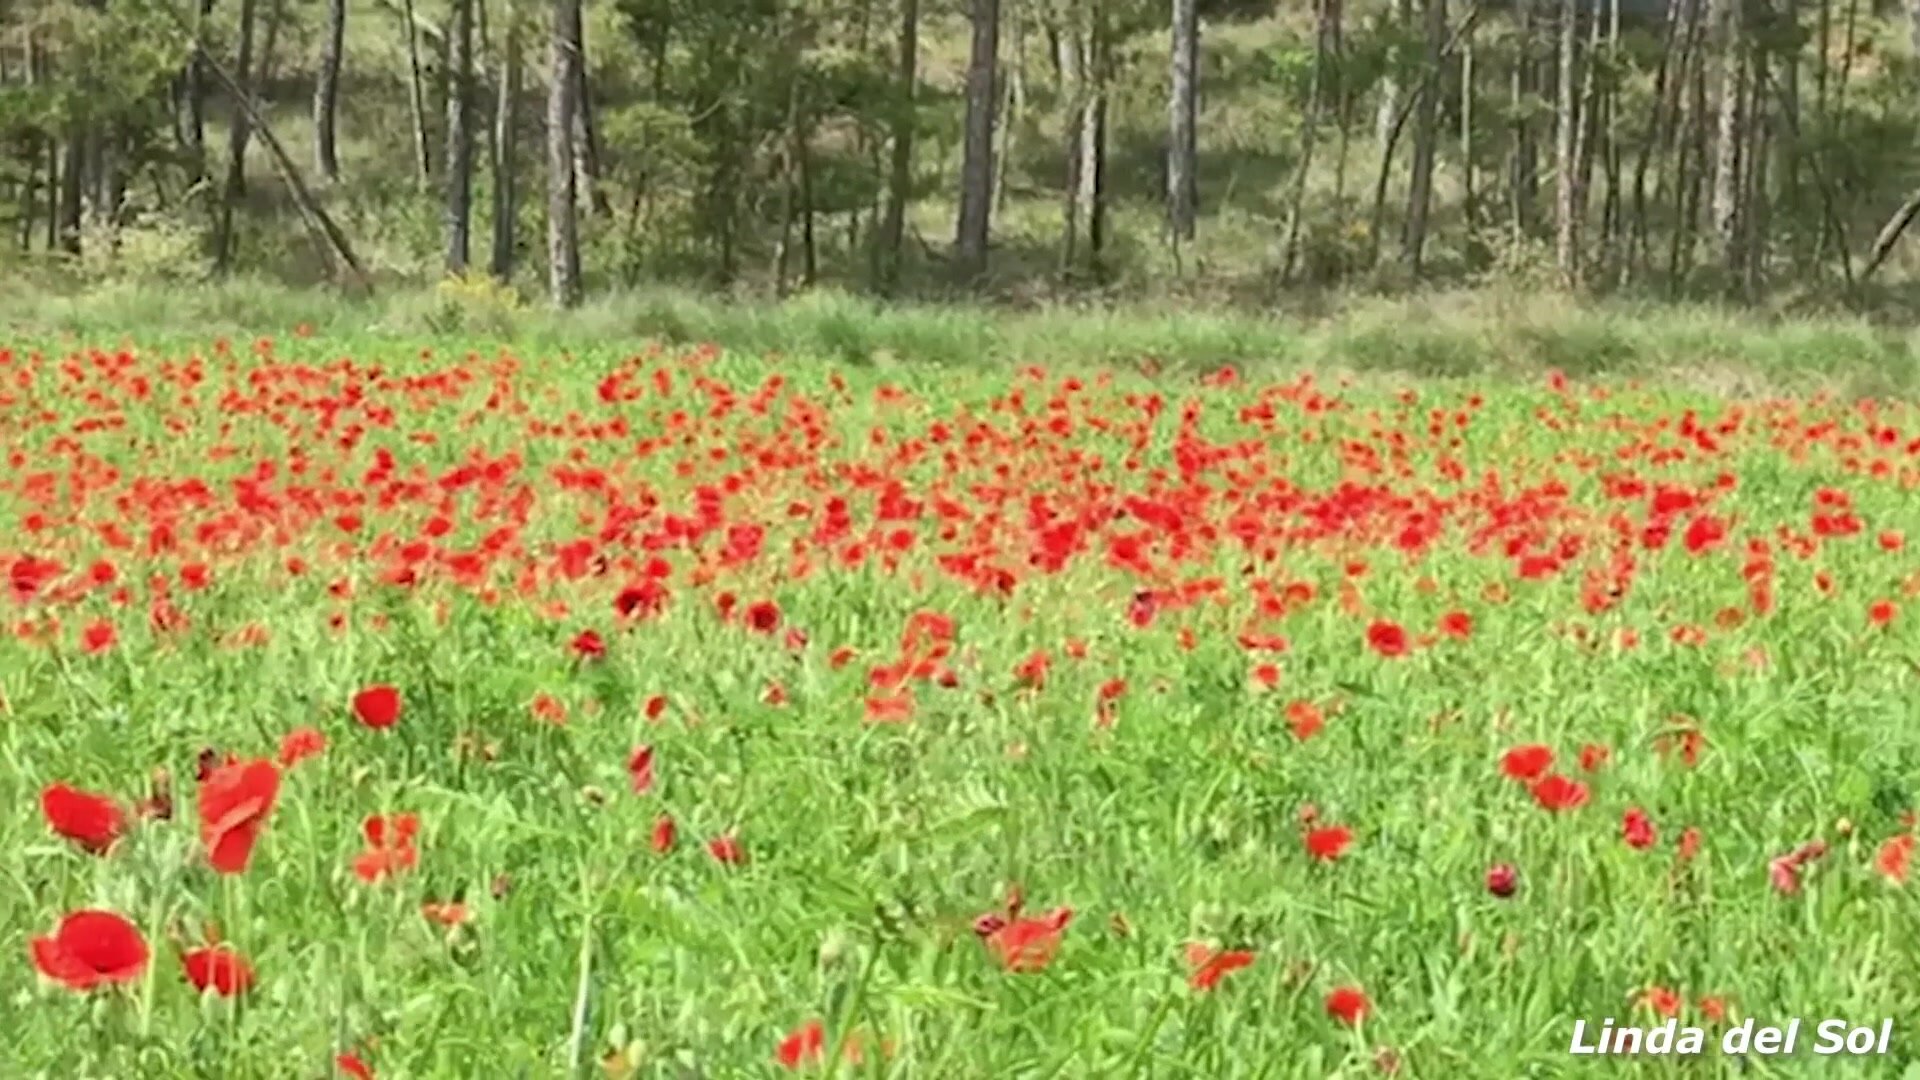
(1485, 332)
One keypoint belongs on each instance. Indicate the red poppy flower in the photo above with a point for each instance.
(1024, 944)
(235, 801)
(97, 637)
(351, 1065)
(589, 645)
(91, 948)
(727, 849)
(299, 744)
(1211, 965)
(377, 706)
(92, 821)
(1556, 792)
(1328, 843)
(804, 1046)
(1637, 829)
(218, 968)
(1894, 857)
(1387, 638)
(1690, 839)
(640, 769)
(663, 834)
(390, 847)
(1347, 1004)
(1661, 1000)
(1526, 763)
(763, 616)
(1306, 719)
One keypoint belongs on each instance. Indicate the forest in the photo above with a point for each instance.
(1013, 151)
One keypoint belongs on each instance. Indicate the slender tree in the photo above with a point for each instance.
(506, 145)
(1566, 166)
(1426, 135)
(416, 96)
(976, 167)
(459, 155)
(900, 178)
(1182, 109)
(326, 90)
(238, 134)
(563, 209)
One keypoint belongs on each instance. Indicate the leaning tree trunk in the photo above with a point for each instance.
(563, 85)
(459, 156)
(1182, 109)
(326, 91)
(976, 166)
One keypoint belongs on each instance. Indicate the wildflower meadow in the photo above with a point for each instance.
(438, 711)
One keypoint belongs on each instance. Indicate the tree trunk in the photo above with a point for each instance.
(505, 152)
(326, 91)
(238, 134)
(1182, 109)
(1080, 58)
(416, 98)
(1659, 133)
(1393, 84)
(563, 84)
(900, 181)
(1014, 96)
(1566, 246)
(1069, 61)
(72, 188)
(1093, 163)
(976, 167)
(327, 235)
(196, 95)
(586, 134)
(1523, 180)
(1326, 40)
(459, 156)
(1728, 135)
(1426, 138)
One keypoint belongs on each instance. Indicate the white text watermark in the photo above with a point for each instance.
(1748, 1037)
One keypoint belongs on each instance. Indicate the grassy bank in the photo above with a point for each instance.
(1492, 331)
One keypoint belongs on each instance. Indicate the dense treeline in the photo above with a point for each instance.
(1686, 147)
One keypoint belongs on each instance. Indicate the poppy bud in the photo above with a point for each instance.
(1502, 880)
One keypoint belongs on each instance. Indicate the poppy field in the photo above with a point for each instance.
(424, 712)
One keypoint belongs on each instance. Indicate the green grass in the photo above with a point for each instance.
(1485, 332)
(873, 847)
